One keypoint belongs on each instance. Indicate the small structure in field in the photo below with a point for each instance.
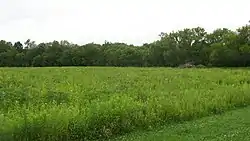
(187, 65)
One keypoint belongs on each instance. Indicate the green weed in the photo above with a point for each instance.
(88, 103)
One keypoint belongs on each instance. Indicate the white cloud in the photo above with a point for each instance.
(130, 21)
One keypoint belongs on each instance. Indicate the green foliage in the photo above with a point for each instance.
(221, 48)
(233, 126)
(88, 103)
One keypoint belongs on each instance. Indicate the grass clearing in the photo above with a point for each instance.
(89, 103)
(231, 126)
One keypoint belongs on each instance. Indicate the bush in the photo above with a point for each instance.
(200, 66)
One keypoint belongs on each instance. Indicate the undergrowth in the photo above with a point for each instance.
(99, 103)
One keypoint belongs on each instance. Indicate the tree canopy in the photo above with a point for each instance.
(221, 48)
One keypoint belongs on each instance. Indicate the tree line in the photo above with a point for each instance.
(221, 48)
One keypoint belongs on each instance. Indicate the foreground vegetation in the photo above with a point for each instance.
(223, 47)
(87, 103)
(232, 126)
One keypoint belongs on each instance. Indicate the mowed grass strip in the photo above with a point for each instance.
(230, 126)
(88, 103)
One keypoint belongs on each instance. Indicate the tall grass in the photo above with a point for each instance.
(91, 103)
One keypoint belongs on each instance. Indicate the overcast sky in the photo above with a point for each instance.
(130, 21)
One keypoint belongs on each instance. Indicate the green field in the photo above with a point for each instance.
(231, 126)
(90, 103)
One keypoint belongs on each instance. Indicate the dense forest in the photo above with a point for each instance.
(221, 48)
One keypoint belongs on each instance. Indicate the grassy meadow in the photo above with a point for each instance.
(89, 103)
(229, 126)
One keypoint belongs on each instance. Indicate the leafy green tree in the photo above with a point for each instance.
(222, 48)
(18, 46)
